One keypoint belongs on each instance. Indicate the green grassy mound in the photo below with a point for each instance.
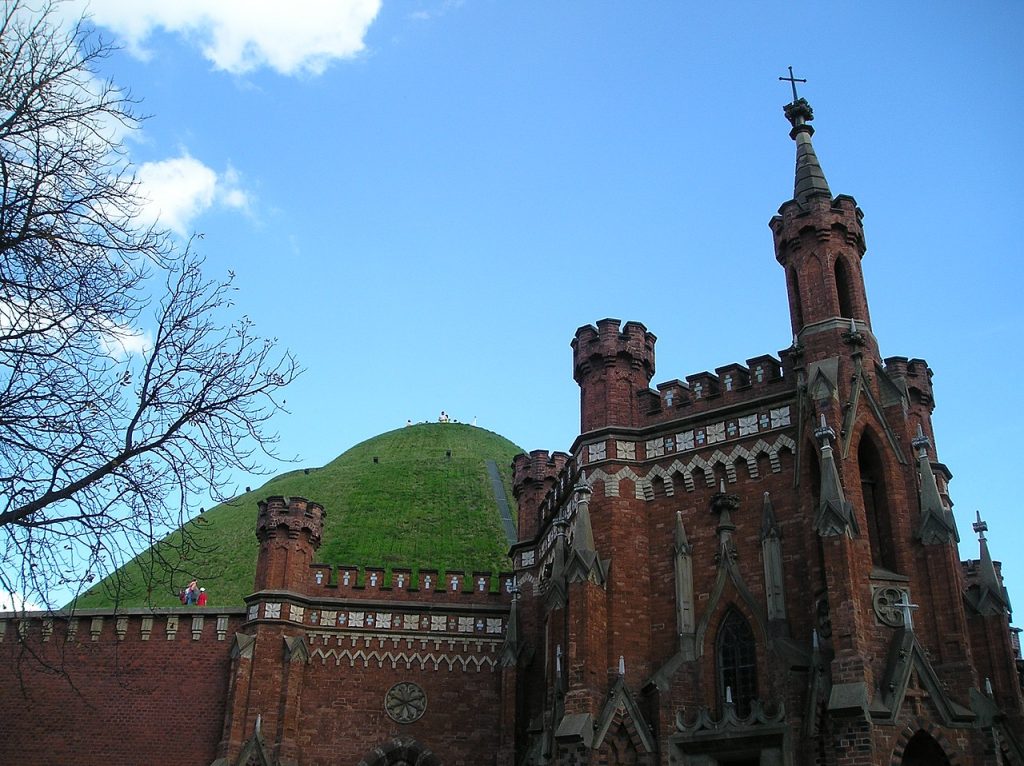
(415, 507)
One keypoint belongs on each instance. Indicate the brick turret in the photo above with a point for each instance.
(533, 476)
(819, 240)
(611, 368)
(289, 531)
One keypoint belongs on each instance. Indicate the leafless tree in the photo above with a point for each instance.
(104, 440)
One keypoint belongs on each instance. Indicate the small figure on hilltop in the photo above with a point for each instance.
(443, 418)
(408, 423)
(202, 597)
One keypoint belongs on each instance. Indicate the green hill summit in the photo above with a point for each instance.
(429, 496)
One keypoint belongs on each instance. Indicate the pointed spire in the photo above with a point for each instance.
(682, 542)
(583, 532)
(771, 554)
(835, 514)
(557, 596)
(683, 570)
(510, 649)
(584, 563)
(723, 505)
(937, 526)
(810, 179)
(769, 526)
(988, 580)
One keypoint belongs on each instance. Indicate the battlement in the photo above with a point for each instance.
(732, 383)
(405, 583)
(971, 569)
(533, 476)
(915, 375)
(817, 220)
(291, 515)
(559, 492)
(106, 626)
(597, 347)
(537, 467)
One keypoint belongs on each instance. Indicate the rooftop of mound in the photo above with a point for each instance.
(420, 496)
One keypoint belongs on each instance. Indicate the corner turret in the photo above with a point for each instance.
(612, 367)
(289, 530)
(533, 476)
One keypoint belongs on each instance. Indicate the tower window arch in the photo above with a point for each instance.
(795, 301)
(876, 504)
(844, 288)
(736, 654)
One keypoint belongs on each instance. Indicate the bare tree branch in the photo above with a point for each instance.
(102, 448)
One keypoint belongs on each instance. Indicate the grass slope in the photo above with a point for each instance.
(415, 507)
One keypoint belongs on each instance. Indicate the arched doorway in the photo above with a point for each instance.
(923, 750)
(400, 751)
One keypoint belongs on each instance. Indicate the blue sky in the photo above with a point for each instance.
(424, 200)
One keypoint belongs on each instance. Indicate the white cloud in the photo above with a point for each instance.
(15, 602)
(120, 341)
(240, 36)
(230, 192)
(429, 14)
(178, 190)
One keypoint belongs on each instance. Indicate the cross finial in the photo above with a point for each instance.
(905, 606)
(980, 527)
(921, 442)
(793, 81)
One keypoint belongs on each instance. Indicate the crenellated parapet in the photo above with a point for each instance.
(612, 366)
(539, 468)
(114, 626)
(402, 603)
(596, 347)
(915, 377)
(290, 517)
(729, 385)
(533, 476)
(454, 585)
(830, 223)
(289, 530)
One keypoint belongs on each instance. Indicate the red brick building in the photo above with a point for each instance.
(753, 566)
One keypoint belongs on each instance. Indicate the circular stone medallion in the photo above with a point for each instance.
(886, 602)
(405, 702)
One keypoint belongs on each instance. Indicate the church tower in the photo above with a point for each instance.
(760, 565)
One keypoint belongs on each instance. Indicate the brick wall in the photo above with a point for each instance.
(98, 698)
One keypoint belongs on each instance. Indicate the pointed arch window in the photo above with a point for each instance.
(795, 301)
(737, 662)
(876, 504)
(844, 288)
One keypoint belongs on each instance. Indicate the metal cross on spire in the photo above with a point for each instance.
(980, 527)
(793, 81)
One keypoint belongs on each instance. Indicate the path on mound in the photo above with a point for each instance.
(499, 495)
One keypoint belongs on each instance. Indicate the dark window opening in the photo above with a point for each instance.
(876, 506)
(794, 301)
(737, 663)
(922, 750)
(843, 285)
